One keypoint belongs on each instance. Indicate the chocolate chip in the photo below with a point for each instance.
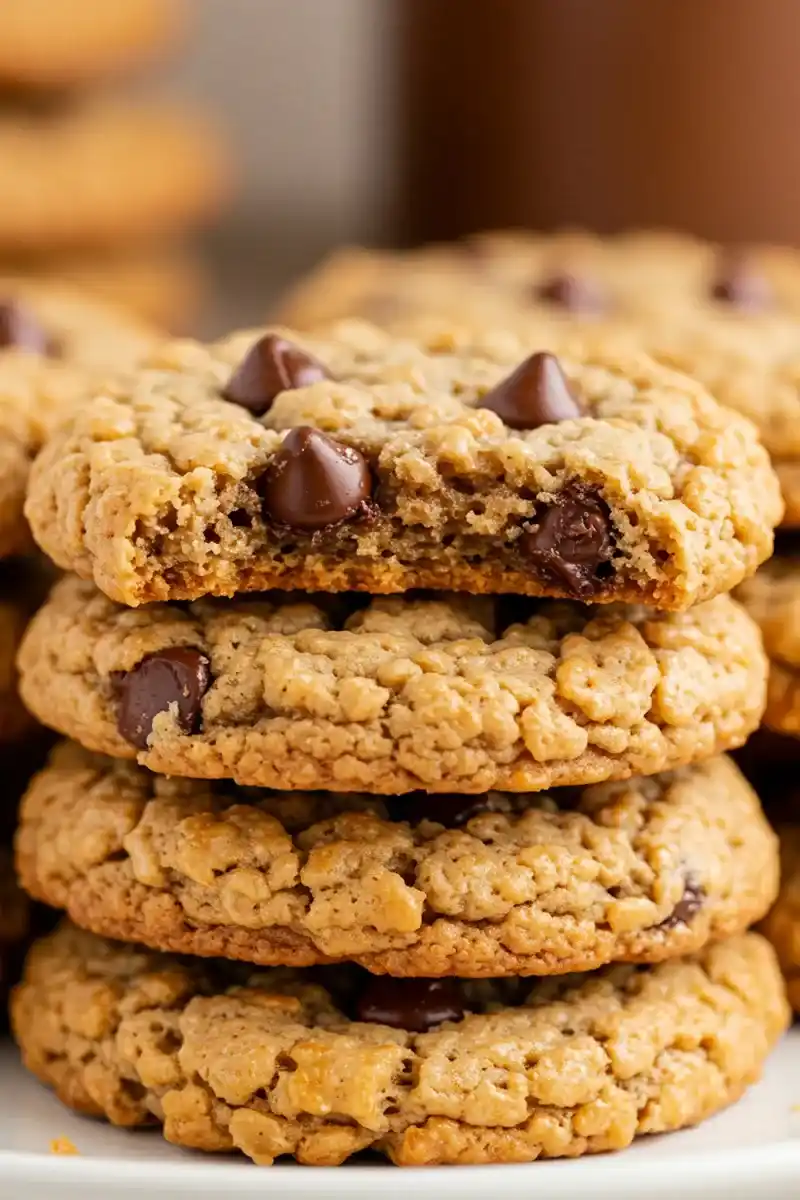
(179, 675)
(20, 330)
(413, 1004)
(314, 482)
(690, 903)
(573, 293)
(536, 393)
(271, 366)
(740, 284)
(571, 541)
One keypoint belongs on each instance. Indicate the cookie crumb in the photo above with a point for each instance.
(63, 1146)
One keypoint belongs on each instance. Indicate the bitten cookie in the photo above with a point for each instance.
(320, 1066)
(55, 347)
(103, 173)
(55, 44)
(361, 461)
(455, 694)
(429, 885)
(782, 926)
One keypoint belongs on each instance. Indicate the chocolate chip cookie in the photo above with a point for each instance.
(456, 694)
(56, 44)
(782, 926)
(321, 1065)
(497, 278)
(104, 173)
(362, 461)
(478, 886)
(55, 346)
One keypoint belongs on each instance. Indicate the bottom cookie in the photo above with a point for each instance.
(782, 925)
(320, 1065)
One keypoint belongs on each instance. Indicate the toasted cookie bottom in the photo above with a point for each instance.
(270, 1064)
(421, 885)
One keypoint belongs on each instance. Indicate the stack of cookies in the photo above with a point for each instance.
(98, 189)
(459, 874)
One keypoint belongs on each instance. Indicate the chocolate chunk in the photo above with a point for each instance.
(740, 284)
(536, 393)
(179, 675)
(20, 330)
(573, 293)
(271, 366)
(314, 482)
(572, 542)
(413, 1004)
(448, 810)
(690, 903)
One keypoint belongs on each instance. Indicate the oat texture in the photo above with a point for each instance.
(266, 1063)
(636, 871)
(782, 926)
(102, 172)
(440, 694)
(154, 489)
(90, 340)
(62, 43)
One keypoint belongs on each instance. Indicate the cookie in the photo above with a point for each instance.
(782, 925)
(55, 346)
(478, 886)
(773, 599)
(319, 1066)
(163, 286)
(391, 694)
(361, 461)
(497, 278)
(55, 44)
(104, 173)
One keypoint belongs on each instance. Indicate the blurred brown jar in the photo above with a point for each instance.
(608, 113)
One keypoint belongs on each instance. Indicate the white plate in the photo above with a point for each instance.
(753, 1150)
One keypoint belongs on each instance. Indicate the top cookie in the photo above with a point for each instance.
(364, 461)
(55, 345)
(62, 43)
